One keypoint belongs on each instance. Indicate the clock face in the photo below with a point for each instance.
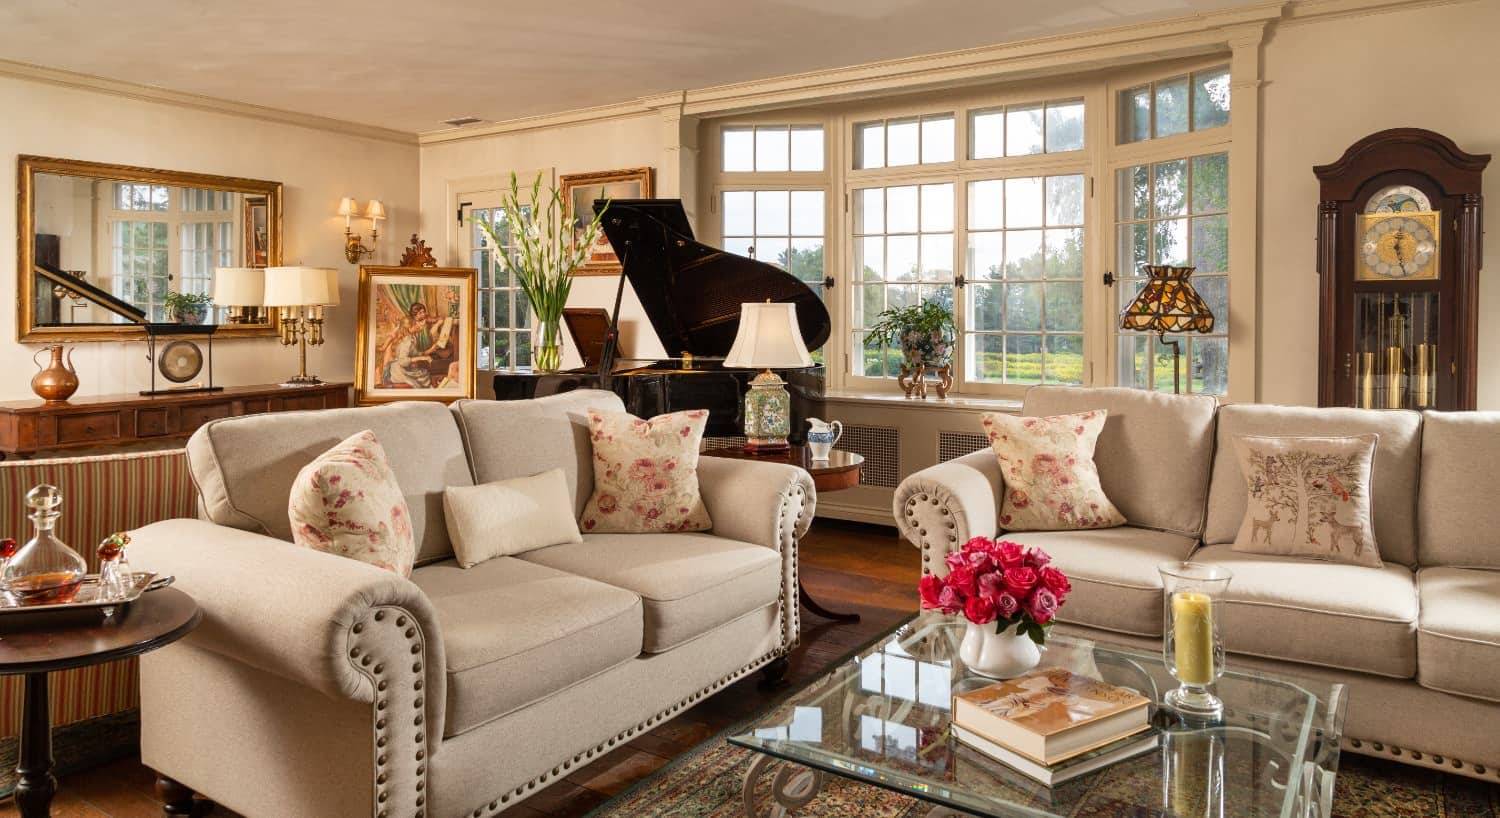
(1398, 199)
(1398, 247)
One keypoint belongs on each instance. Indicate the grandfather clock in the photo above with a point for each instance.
(1399, 250)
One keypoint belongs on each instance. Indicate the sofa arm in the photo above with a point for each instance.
(768, 504)
(942, 507)
(337, 625)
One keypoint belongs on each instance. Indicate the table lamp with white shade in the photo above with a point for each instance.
(768, 338)
(241, 291)
(302, 293)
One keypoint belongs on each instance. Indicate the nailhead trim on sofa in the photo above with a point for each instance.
(790, 637)
(382, 657)
(1417, 758)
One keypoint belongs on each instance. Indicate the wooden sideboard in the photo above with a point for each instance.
(31, 426)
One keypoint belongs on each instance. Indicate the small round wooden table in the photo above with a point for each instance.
(34, 648)
(839, 471)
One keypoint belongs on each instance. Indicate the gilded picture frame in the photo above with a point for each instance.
(29, 281)
(415, 339)
(579, 192)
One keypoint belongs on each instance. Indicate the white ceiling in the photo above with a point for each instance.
(410, 64)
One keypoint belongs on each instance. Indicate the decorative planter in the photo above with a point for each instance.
(1000, 655)
(193, 314)
(927, 349)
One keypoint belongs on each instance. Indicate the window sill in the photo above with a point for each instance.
(896, 400)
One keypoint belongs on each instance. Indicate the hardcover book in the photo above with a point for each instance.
(1051, 714)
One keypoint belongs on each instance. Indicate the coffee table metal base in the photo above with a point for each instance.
(794, 787)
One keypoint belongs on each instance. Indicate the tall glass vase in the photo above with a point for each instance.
(547, 356)
(1191, 645)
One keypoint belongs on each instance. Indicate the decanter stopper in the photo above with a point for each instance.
(45, 570)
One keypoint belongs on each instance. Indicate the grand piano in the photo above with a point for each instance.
(691, 294)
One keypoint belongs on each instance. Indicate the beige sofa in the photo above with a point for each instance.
(1416, 642)
(322, 686)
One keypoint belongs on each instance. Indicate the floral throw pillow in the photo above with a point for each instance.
(646, 474)
(346, 502)
(1309, 497)
(1048, 465)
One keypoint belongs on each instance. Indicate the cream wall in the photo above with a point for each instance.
(315, 166)
(450, 169)
(1329, 83)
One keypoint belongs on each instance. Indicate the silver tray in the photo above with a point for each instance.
(88, 596)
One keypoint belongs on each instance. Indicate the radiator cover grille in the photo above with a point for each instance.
(957, 444)
(881, 448)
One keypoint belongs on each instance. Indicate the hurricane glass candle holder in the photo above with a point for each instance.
(1194, 653)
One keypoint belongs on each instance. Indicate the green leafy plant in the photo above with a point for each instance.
(186, 306)
(926, 317)
(548, 247)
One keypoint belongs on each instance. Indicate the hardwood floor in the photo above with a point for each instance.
(845, 566)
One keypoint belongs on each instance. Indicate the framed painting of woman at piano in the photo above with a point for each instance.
(415, 337)
(579, 192)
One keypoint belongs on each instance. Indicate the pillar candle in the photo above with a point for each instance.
(1193, 634)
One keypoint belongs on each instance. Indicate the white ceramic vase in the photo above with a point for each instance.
(997, 655)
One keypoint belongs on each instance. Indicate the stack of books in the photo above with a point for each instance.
(1053, 725)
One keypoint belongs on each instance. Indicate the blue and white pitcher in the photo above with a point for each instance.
(822, 436)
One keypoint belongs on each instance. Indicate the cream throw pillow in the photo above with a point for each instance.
(509, 516)
(347, 502)
(1048, 464)
(1309, 497)
(646, 473)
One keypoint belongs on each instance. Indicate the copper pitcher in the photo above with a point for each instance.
(57, 381)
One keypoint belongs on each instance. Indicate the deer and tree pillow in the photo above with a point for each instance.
(1309, 497)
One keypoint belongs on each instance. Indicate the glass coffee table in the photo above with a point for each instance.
(882, 718)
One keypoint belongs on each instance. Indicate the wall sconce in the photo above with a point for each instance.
(354, 249)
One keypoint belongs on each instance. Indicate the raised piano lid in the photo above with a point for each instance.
(692, 292)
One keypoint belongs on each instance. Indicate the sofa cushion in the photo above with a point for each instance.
(1393, 500)
(244, 467)
(1154, 454)
(1350, 617)
(517, 438)
(347, 502)
(1458, 520)
(1048, 466)
(1113, 571)
(1308, 497)
(515, 632)
(689, 583)
(1458, 636)
(646, 474)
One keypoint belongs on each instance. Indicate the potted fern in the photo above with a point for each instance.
(547, 247)
(924, 332)
(187, 308)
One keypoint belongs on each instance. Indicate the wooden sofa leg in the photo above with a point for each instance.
(177, 800)
(774, 674)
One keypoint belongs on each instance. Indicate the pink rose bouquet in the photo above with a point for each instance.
(1000, 582)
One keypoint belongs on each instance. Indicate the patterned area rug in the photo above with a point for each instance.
(705, 783)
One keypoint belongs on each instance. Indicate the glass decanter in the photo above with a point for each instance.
(115, 579)
(45, 571)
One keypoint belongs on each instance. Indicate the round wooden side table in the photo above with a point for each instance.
(839, 471)
(35, 648)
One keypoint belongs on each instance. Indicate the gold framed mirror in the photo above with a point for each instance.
(103, 248)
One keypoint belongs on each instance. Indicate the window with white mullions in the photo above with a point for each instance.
(1175, 212)
(1024, 280)
(772, 148)
(781, 227)
(914, 140)
(504, 313)
(1022, 130)
(902, 256)
(1192, 102)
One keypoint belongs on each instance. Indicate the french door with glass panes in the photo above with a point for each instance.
(505, 321)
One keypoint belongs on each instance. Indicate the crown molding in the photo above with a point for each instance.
(1077, 52)
(579, 116)
(151, 93)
